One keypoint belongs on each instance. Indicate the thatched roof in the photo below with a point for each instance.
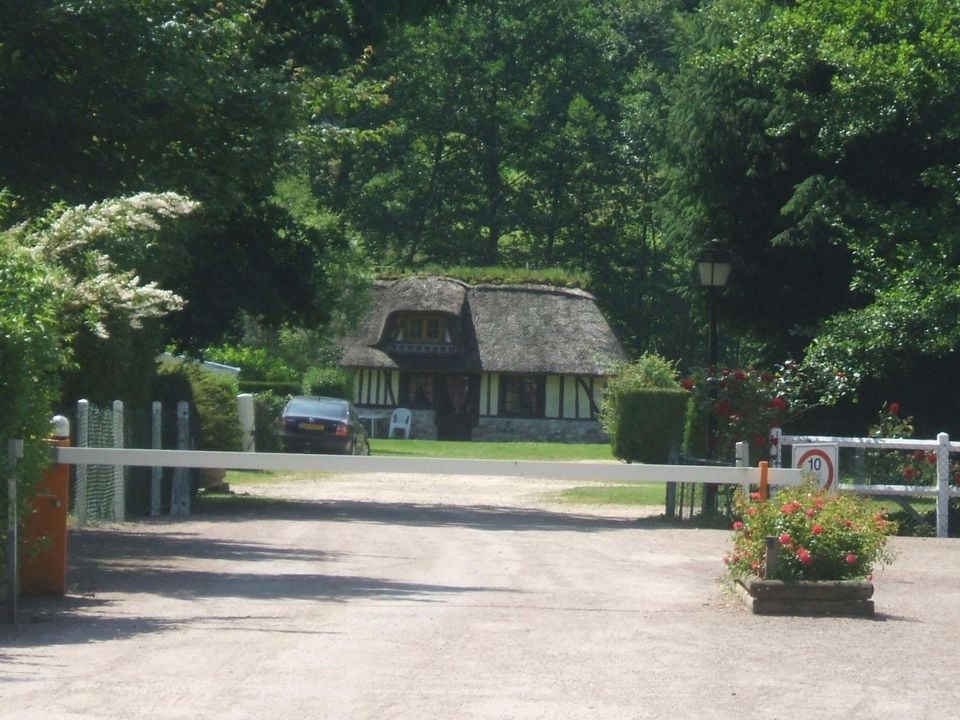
(497, 328)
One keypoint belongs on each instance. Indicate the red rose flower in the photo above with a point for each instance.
(894, 408)
(778, 403)
(785, 539)
(803, 555)
(851, 558)
(738, 525)
(816, 529)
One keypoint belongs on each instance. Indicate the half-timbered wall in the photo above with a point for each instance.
(489, 394)
(376, 387)
(568, 397)
(573, 397)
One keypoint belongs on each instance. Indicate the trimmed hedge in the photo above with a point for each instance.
(213, 400)
(645, 423)
(265, 386)
(330, 381)
(267, 408)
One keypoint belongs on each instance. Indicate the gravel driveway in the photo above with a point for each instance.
(447, 598)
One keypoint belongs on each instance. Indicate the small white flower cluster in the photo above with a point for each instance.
(81, 243)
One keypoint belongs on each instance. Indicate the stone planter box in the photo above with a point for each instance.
(850, 598)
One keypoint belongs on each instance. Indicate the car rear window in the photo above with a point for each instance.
(317, 408)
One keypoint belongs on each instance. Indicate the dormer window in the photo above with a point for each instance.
(422, 329)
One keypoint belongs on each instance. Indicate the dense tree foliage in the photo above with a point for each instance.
(106, 97)
(324, 139)
(821, 140)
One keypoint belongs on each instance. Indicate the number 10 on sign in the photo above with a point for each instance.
(818, 460)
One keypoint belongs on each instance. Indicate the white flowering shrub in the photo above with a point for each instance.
(65, 272)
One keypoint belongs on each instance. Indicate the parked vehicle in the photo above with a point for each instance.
(322, 424)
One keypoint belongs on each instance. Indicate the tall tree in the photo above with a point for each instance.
(108, 97)
(820, 139)
(509, 146)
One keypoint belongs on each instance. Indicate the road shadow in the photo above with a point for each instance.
(478, 517)
(110, 567)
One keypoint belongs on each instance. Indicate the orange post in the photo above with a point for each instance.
(764, 481)
(43, 561)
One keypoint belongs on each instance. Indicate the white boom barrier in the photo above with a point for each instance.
(607, 471)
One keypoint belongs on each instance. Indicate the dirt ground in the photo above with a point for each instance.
(448, 597)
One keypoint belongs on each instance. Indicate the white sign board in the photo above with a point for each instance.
(818, 460)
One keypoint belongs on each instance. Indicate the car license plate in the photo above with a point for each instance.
(312, 426)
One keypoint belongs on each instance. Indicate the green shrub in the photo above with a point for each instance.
(332, 381)
(648, 371)
(255, 363)
(277, 388)
(31, 357)
(215, 418)
(643, 409)
(695, 430)
(645, 423)
(267, 407)
(820, 535)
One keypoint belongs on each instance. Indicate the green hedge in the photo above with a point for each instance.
(275, 387)
(215, 418)
(331, 381)
(267, 408)
(645, 423)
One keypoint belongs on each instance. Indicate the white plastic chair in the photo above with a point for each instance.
(400, 421)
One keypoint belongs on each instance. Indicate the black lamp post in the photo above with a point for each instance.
(713, 269)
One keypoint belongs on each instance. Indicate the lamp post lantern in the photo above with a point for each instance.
(713, 269)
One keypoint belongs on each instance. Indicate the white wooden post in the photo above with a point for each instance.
(83, 440)
(14, 453)
(248, 426)
(776, 447)
(156, 442)
(180, 491)
(119, 486)
(943, 484)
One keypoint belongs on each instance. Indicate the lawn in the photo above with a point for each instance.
(474, 450)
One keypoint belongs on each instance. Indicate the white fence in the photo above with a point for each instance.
(942, 446)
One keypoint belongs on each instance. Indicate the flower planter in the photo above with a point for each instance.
(850, 598)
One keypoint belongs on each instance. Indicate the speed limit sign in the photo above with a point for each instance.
(818, 460)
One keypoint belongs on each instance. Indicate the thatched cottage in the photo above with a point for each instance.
(516, 362)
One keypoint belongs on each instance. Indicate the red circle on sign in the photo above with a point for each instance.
(822, 455)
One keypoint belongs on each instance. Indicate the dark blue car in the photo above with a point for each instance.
(312, 423)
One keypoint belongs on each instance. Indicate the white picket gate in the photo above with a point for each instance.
(942, 446)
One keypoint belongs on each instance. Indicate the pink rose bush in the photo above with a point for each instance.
(820, 536)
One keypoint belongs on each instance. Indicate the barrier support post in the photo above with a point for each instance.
(764, 480)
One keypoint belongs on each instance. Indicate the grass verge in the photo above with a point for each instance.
(474, 450)
(647, 494)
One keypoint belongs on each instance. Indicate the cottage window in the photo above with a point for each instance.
(417, 390)
(422, 329)
(522, 395)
